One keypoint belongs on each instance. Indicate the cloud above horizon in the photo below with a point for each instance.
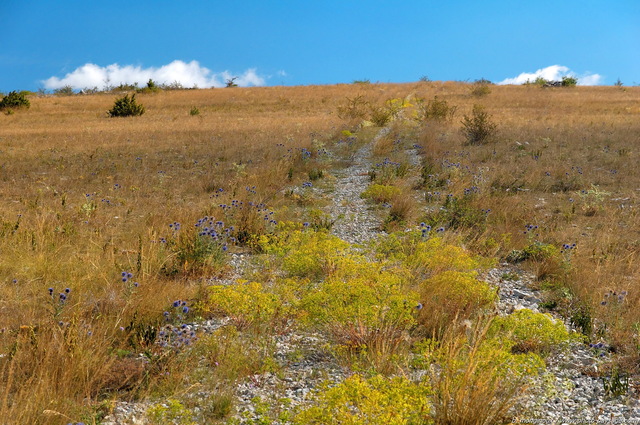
(190, 74)
(555, 73)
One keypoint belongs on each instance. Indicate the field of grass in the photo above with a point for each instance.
(106, 237)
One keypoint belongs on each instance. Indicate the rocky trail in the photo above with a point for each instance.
(575, 394)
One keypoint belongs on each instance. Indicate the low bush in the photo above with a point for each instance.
(526, 331)
(480, 89)
(14, 100)
(451, 296)
(367, 312)
(477, 380)
(151, 87)
(353, 108)
(126, 107)
(305, 253)
(376, 400)
(478, 128)
(64, 91)
(248, 305)
(380, 116)
(380, 193)
(435, 109)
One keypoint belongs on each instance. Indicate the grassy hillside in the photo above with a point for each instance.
(103, 220)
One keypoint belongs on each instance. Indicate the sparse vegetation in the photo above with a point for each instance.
(14, 100)
(64, 91)
(126, 107)
(128, 236)
(478, 128)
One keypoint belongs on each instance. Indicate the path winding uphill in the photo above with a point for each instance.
(354, 222)
(571, 393)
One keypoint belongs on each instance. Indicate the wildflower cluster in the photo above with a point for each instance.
(599, 349)
(215, 231)
(529, 228)
(305, 153)
(424, 230)
(385, 171)
(249, 218)
(62, 296)
(127, 279)
(613, 297)
(58, 301)
(176, 336)
(471, 190)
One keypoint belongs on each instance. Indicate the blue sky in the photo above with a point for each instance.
(46, 44)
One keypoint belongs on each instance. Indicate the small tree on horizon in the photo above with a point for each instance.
(126, 107)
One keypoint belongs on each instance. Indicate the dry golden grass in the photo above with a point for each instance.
(565, 160)
(86, 197)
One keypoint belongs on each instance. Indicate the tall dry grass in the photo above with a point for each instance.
(87, 197)
(564, 160)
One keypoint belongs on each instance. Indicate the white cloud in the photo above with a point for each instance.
(188, 74)
(555, 73)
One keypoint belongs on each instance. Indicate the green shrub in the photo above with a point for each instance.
(478, 128)
(14, 100)
(122, 87)
(526, 331)
(541, 82)
(170, 412)
(436, 109)
(64, 91)
(380, 193)
(126, 107)
(457, 213)
(305, 253)
(477, 380)
(247, 304)
(316, 174)
(194, 111)
(380, 116)
(480, 89)
(151, 87)
(354, 108)
(452, 295)
(568, 81)
(376, 400)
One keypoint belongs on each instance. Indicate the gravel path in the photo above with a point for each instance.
(575, 395)
(354, 222)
